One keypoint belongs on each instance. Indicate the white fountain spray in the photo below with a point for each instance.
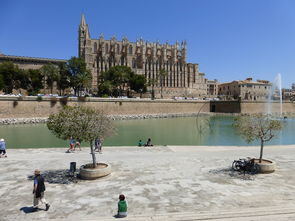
(275, 93)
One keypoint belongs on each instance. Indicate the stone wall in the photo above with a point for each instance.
(261, 107)
(29, 107)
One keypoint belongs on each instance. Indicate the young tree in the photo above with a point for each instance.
(50, 73)
(257, 127)
(82, 123)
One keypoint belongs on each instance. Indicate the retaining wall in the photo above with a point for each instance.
(29, 107)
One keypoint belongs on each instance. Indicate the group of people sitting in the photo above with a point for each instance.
(2, 148)
(147, 144)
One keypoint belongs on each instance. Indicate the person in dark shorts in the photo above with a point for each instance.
(38, 191)
(72, 145)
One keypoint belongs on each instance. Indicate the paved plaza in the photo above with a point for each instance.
(160, 183)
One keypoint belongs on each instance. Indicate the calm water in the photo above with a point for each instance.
(172, 131)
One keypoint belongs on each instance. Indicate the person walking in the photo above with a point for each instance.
(72, 145)
(38, 191)
(2, 148)
(98, 144)
(77, 144)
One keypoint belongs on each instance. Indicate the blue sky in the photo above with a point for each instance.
(229, 39)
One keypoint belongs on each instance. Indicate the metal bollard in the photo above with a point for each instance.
(73, 167)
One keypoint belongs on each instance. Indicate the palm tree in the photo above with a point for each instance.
(50, 73)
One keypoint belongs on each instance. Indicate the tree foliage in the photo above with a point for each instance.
(63, 78)
(80, 76)
(257, 127)
(82, 123)
(121, 79)
(50, 73)
(11, 77)
(34, 81)
(138, 83)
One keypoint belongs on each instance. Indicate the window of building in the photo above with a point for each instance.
(130, 49)
(95, 47)
(107, 48)
(118, 49)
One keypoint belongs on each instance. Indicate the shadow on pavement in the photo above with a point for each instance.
(28, 209)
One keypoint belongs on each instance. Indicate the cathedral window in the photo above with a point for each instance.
(133, 63)
(130, 49)
(95, 47)
(118, 49)
(107, 48)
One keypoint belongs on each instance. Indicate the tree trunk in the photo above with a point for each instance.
(261, 150)
(93, 154)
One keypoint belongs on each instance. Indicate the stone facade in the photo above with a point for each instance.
(245, 90)
(212, 88)
(144, 58)
(29, 62)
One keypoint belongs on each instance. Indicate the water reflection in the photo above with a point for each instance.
(168, 131)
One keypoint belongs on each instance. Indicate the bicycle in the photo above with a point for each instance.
(246, 165)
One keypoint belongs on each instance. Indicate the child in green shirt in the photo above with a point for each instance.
(122, 207)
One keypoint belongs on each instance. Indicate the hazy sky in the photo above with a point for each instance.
(229, 39)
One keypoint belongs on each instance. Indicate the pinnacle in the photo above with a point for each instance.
(83, 22)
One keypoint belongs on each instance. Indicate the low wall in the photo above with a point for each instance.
(29, 107)
(251, 107)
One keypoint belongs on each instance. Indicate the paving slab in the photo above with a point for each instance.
(160, 183)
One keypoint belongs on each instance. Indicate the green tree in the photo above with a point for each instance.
(257, 127)
(83, 123)
(63, 78)
(138, 83)
(34, 80)
(50, 73)
(1, 83)
(80, 76)
(11, 77)
(105, 88)
(118, 77)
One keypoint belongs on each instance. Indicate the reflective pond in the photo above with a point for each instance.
(165, 131)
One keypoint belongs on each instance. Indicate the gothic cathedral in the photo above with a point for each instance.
(145, 58)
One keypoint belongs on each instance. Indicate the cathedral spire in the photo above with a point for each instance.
(82, 22)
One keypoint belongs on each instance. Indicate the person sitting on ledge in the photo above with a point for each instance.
(149, 143)
(140, 144)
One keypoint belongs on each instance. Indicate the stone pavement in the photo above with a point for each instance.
(160, 183)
